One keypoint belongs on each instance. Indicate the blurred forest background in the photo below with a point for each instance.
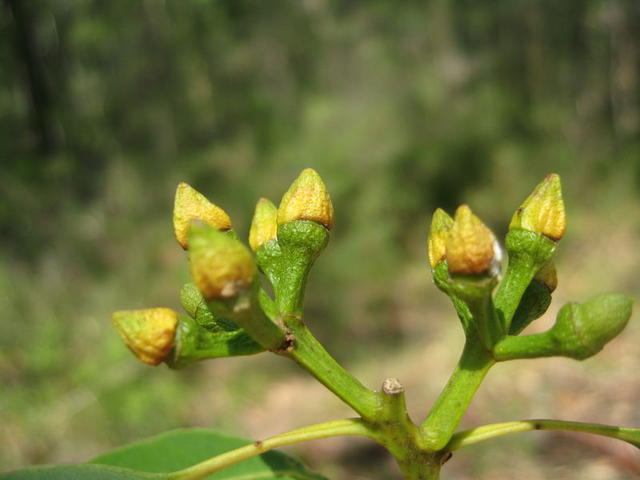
(401, 107)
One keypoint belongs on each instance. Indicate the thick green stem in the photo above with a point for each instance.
(517, 278)
(528, 251)
(487, 432)
(322, 430)
(311, 355)
(401, 437)
(448, 409)
(423, 467)
(527, 346)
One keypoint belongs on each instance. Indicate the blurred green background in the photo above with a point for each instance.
(401, 107)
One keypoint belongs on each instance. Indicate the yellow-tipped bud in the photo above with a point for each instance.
(441, 223)
(190, 205)
(264, 225)
(469, 244)
(147, 333)
(221, 266)
(548, 275)
(543, 211)
(307, 199)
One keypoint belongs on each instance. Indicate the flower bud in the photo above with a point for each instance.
(470, 245)
(192, 205)
(548, 276)
(533, 304)
(221, 266)
(543, 211)
(307, 199)
(441, 223)
(264, 226)
(582, 330)
(148, 333)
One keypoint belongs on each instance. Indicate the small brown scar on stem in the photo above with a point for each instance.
(258, 443)
(288, 343)
(537, 426)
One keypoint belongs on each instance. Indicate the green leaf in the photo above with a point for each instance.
(182, 448)
(80, 472)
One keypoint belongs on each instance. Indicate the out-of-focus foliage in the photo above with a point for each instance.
(401, 107)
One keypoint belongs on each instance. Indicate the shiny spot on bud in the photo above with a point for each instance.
(441, 223)
(543, 211)
(469, 244)
(221, 266)
(307, 199)
(192, 205)
(148, 333)
(264, 226)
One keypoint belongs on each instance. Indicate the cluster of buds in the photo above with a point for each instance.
(228, 312)
(464, 259)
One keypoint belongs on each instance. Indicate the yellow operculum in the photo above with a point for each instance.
(148, 333)
(469, 244)
(307, 199)
(543, 211)
(221, 266)
(441, 223)
(192, 205)
(264, 225)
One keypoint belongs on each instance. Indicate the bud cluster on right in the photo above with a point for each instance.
(494, 306)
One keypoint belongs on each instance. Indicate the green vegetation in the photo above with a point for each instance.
(401, 108)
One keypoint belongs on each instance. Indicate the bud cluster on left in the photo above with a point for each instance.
(228, 312)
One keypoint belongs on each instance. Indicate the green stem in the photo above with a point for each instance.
(528, 251)
(448, 409)
(487, 432)
(517, 278)
(335, 428)
(311, 355)
(528, 346)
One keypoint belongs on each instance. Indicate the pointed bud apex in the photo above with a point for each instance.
(264, 226)
(220, 266)
(583, 329)
(192, 205)
(543, 211)
(441, 223)
(469, 244)
(548, 276)
(147, 333)
(307, 199)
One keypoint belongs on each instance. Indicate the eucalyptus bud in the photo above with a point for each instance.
(192, 205)
(583, 329)
(534, 303)
(531, 242)
(196, 306)
(441, 224)
(543, 211)
(307, 199)
(264, 226)
(194, 343)
(470, 245)
(221, 266)
(148, 333)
